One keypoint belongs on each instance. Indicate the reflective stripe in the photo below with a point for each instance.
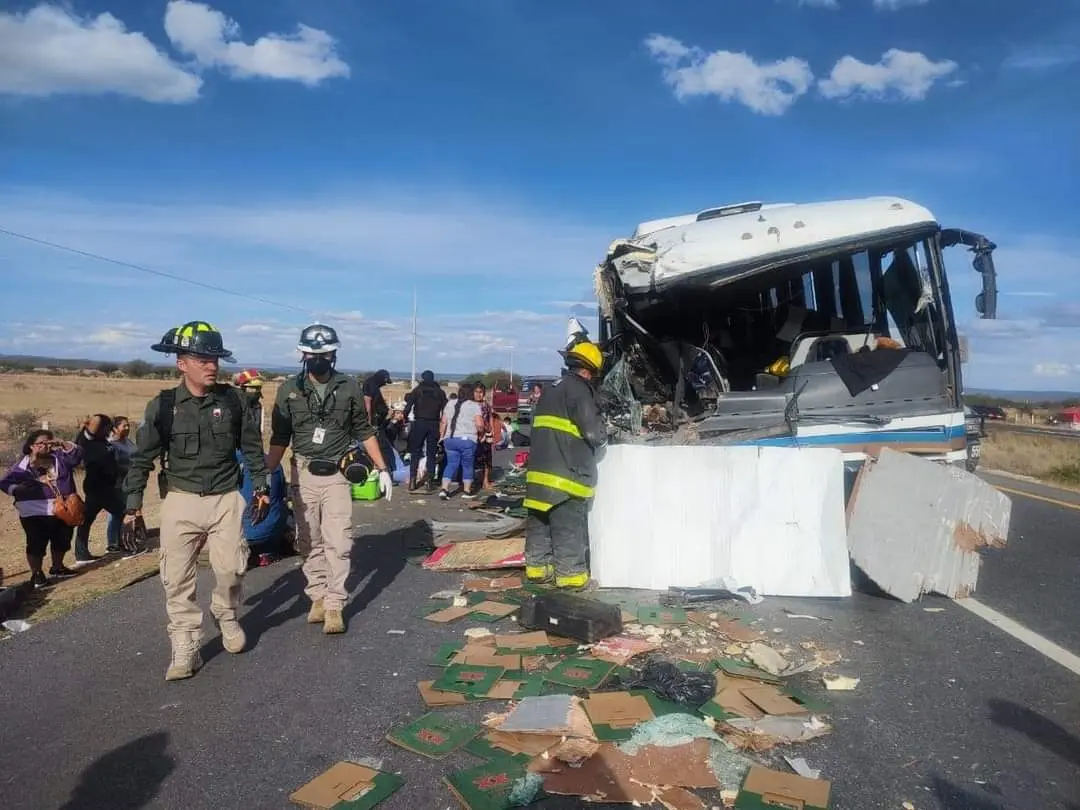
(537, 506)
(557, 423)
(558, 482)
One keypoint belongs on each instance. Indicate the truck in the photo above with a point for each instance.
(823, 324)
(504, 397)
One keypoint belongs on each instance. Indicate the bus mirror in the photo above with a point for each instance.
(980, 303)
(965, 348)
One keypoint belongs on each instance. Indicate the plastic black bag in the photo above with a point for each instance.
(692, 688)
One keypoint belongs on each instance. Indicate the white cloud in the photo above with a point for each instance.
(308, 56)
(50, 50)
(254, 329)
(768, 88)
(820, 3)
(896, 5)
(1044, 58)
(907, 74)
(1055, 369)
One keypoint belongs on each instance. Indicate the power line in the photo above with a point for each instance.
(160, 273)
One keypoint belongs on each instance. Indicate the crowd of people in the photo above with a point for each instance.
(222, 490)
(46, 473)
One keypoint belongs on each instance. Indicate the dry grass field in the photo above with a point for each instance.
(1049, 458)
(64, 401)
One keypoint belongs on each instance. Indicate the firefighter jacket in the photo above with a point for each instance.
(566, 432)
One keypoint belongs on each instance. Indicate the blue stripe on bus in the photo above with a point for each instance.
(942, 435)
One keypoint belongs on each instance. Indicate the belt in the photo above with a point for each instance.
(319, 466)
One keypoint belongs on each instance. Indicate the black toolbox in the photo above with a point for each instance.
(571, 616)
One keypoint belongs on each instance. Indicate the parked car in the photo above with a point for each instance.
(993, 412)
(530, 392)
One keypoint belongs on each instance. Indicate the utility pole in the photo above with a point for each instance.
(512, 370)
(412, 378)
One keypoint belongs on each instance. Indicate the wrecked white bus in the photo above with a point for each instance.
(819, 325)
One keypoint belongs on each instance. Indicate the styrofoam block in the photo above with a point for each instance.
(769, 517)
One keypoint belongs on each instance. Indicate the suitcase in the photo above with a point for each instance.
(571, 616)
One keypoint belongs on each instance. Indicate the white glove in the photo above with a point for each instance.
(386, 484)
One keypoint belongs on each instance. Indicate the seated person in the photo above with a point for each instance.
(270, 535)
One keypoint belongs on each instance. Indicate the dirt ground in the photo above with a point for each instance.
(64, 401)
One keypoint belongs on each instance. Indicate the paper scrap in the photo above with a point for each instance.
(767, 658)
(802, 767)
(839, 683)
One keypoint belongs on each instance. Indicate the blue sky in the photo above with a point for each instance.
(331, 156)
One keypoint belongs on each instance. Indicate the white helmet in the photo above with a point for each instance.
(318, 338)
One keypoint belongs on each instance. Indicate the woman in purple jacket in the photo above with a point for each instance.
(46, 464)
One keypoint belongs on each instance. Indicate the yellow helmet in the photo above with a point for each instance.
(586, 354)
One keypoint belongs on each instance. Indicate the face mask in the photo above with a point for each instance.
(318, 365)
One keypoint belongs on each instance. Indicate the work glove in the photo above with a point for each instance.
(260, 506)
(386, 484)
(133, 532)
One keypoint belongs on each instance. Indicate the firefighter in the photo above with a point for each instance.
(566, 432)
(196, 429)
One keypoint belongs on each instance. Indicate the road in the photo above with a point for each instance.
(951, 712)
(1034, 430)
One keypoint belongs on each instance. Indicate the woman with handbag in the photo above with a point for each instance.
(42, 483)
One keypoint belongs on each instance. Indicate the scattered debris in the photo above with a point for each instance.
(434, 735)
(802, 767)
(839, 683)
(16, 625)
(448, 532)
(767, 658)
(934, 610)
(478, 555)
(395, 632)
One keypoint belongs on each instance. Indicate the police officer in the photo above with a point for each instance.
(196, 429)
(566, 432)
(322, 413)
(426, 402)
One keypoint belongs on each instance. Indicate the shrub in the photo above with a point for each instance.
(22, 422)
(1065, 474)
(138, 368)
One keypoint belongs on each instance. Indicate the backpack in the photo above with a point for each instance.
(166, 413)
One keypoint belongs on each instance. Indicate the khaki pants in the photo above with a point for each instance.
(324, 519)
(185, 517)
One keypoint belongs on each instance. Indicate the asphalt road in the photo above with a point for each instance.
(951, 713)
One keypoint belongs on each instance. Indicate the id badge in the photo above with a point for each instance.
(318, 436)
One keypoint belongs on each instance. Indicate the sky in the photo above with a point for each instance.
(272, 162)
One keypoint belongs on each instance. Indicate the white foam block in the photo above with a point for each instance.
(769, 517)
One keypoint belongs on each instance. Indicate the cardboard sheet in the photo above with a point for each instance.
(764, 788)
(360, 787)
(478, 555)
(613, 776)
(768, 517)
(916, 526)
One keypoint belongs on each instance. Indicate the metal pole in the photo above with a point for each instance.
(413, 375)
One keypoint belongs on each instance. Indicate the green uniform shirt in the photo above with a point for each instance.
(202, 445)
(299, 412)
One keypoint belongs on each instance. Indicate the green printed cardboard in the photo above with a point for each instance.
(434, 735)
(580, 673)
(446, 653)
(468, 679)
(347, 786)
(488, 786)
(737, 669)
(482, 748)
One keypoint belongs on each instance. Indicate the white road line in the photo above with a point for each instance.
(1032, 639)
